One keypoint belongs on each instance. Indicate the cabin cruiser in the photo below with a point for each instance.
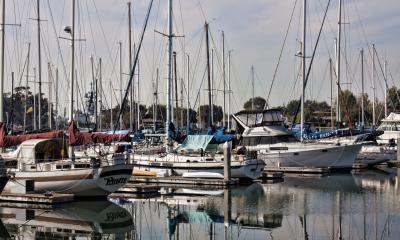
(391, 129)
(264, 131)
(45, 161)
(198, 156)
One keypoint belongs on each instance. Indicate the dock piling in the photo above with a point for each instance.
(398, 147)
(227, 161)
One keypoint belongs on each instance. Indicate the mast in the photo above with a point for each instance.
(187, 95)
(208, 74)
(155, 104)
(331, 80)
(223, 78)
(120, 84)
(303, 68)
(386, 86)
(373, 84)
(50, 108)
(39, 65)
(2, 25)
(99, 95)
(111, 107)
(56, 103)
(138, 96)
(181, 103)
(170, 36)
(34, 99)
(131, 125)
(71, 83)
(94, 82)
(229, 90)
(339, 36)
(12, 104)
(176, 92)
(362, 87)
(26, 84)
(212, 87)
(252, 85)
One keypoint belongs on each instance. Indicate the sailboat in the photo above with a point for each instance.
(264, 132)
(45, 159)
(195, 155)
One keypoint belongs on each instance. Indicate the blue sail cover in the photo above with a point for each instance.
(221, 137)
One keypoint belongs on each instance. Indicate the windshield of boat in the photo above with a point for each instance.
(266, 118)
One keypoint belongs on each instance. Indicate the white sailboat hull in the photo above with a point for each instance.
(91, 182)
(239, 169)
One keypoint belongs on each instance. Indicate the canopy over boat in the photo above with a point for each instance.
(196, 142)
(10, 140)
(40, 150)
(77, 138)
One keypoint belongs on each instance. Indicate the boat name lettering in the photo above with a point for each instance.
(113, 181)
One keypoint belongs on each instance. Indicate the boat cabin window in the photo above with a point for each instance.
(253, 141)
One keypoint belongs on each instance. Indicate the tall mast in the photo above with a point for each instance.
(39, 65)
(176, 92)
(12, 104)
(362, 87)
(94, 82)
(50, 98)
(169, 81)
(386, 87)
(111, 107)
(71, 83)
(252, 86)
(34, 100)
(187, 95)
(26, 84)
(339, 36)
(131, 125)
(100, 91)
(208, 74)
(212, 87)
(223, 78)
(229, 89)
(155, 104)
(120, 84)
(373, 85)
(138, 95)
(303, 68)
(56, 96)
(331, 78)
(3, 2)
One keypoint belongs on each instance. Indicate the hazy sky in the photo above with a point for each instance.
(254, 32)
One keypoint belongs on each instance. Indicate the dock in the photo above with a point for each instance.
(177, 180)
(35, 198)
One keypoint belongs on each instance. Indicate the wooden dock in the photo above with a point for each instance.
(34, 198)
(176, 180)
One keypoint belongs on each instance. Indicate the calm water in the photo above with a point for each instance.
(347, 206)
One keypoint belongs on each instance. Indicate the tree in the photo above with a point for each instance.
(259, 103)
(204, 111)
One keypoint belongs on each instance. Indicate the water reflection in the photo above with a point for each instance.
(88, 220)
(347, 206)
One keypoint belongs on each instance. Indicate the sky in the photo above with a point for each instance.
(254, 35)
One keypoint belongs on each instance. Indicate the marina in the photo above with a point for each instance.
(199, 119)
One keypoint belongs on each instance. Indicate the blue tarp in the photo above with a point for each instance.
(196, 142)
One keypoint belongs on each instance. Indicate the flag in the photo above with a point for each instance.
(29, 110)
